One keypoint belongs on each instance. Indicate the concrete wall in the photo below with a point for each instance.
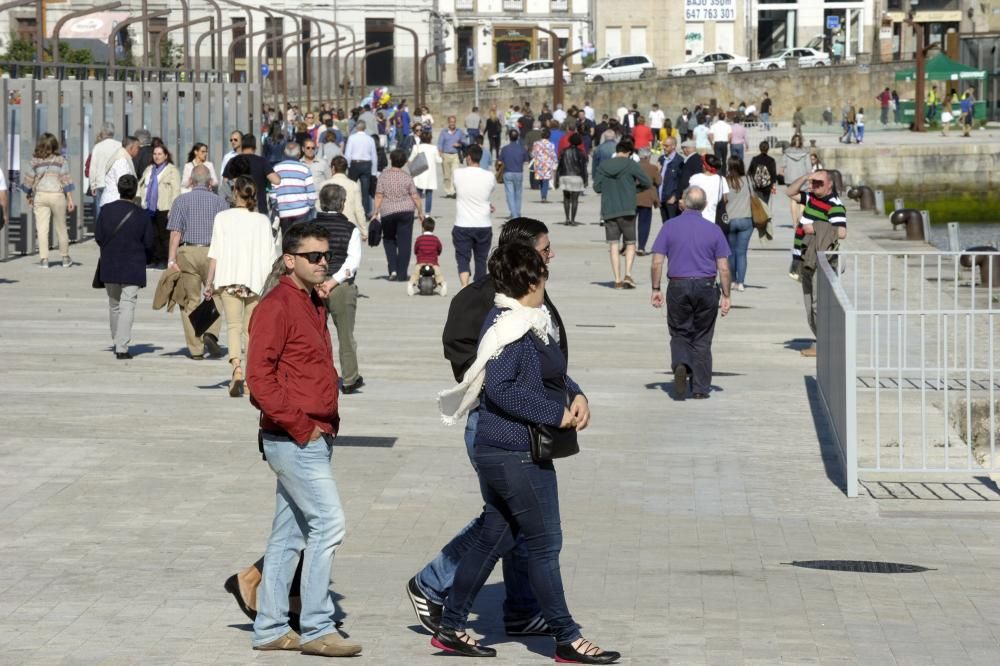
(813, 89)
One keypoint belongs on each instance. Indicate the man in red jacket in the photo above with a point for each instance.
(290, 371)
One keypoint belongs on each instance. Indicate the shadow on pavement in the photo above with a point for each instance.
(824, 434)
(798, 344)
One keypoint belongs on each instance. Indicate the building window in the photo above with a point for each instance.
(513, 5)
(612, 42)
(560, 5)
(239, 31)
(274, 28)
(465, 5)
(379, 68)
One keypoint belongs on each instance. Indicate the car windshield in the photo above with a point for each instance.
(600, 63)
(512, 68)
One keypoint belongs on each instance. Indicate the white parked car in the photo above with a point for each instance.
(620, 68)
(705, 64)
(807, 58)
(528, 73)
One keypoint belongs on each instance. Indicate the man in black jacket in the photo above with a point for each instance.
(692, 165)
(670, 174)
(429, 588)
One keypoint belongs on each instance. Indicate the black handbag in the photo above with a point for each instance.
(203, 316)
(374, 233)
(551, 442)
(721, 215)
(97, 283)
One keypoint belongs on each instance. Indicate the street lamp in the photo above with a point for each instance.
(920, 56)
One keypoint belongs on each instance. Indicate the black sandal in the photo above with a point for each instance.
(461, 643)
(590, 654)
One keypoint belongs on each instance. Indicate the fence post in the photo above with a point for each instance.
(953, 241)
(850, 402)
(926, 215)
(880, 202)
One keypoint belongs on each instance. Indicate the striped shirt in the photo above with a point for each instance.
(193, 214)
(829, 209)
(296, 193)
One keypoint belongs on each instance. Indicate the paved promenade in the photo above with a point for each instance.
(131, 490)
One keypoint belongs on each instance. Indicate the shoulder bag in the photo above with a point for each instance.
(759, 211)
(721, 216)
(96, 283)
(419, 164)
(551, 442)
(499, 170)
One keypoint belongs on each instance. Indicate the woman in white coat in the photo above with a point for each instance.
(239, 260)
(426, 182)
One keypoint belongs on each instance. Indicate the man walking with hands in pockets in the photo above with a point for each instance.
(294, 384)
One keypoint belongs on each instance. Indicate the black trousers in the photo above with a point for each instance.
(722, 152)
(668, 211)
(161, 237)
(361, 173)
(692, 308)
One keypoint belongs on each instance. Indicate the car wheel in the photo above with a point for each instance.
(772, 66)
(598, 79)
(820, 64)
(690, 72)
(737, 69)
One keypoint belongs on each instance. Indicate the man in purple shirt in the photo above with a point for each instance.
(697, 251)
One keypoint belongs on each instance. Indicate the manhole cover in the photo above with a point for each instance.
(860, 566)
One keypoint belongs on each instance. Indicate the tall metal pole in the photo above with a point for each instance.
(202, 37)
(217, 43)
(336, 34)
(248, 31)
(186, 64)
(248, 38)
(354, 51)
(333, 57)
(416, 63)
(423, 70)
(142, 18)
(320, 45)
(284, 64)
(297, 20)
(919, 56)
(371, 52)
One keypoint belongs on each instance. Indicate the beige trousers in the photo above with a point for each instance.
(449, 162)
(50, 207)
(237, 311)
(198, 258)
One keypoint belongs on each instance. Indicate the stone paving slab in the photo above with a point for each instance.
(131, 490)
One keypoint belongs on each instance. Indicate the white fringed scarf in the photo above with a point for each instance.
(509, 327)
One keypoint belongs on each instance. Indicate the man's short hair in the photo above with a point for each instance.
(248, 141)
(332, 198)
(513, 135)
(427, 224)
(523, 230)
(688, 144)
(128, 185)
(339, 164)
(475, 153)
(624, 146)
(129, 141)
(293, 151)
(292, 239)
(694, 198)
(145, 138)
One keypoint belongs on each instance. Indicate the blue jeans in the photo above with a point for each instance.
(766, 119)
(522, 499)
(740, 230)
(513, 186)
(307, 514)
(98, 193)
(544, 185)
(643, 220)
(428, 196)
(737, 150)
(435, 579)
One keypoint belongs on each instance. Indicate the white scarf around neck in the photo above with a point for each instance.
(509, 326)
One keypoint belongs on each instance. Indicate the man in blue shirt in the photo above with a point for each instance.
(449, 145)
(697, 251)
(966, 106)
(514, 157)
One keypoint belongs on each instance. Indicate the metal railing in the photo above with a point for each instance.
(908, 368)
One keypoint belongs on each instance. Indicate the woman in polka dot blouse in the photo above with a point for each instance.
(525, 383)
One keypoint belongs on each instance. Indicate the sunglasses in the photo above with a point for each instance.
(308, 147)
(817, 183)
(314, 257)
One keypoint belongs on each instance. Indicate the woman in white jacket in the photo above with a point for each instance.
(426, 182)
(240, 259)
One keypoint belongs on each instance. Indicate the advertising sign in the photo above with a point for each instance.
(720, 11)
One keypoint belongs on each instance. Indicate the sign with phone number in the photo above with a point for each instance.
(723, 11)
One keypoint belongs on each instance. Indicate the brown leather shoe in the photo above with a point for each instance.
(331, 645)
(289, 641)
(809, 351)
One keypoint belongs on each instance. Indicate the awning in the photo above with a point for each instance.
(943, 68)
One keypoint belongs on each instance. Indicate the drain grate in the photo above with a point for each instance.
(860, 566)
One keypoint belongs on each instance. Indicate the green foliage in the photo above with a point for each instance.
(965, 208)
(18, 50)
(23, 50)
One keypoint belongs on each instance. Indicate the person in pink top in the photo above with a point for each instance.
(738, 140)
(427, 249)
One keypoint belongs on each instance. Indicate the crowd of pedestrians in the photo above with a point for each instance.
(273, 240)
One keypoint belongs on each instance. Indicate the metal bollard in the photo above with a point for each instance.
(953, 244)
(4, 243)
(988, 264)
(898, 204)
(880, 202)
(863, 195)
(926, 217)
(912, 220)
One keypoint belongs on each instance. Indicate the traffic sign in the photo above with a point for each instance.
(832, 22)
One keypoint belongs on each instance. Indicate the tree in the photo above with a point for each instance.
(19, 50)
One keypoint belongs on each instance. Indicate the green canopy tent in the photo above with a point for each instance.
(943, 68)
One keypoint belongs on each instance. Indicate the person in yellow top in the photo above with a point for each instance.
(932, 100)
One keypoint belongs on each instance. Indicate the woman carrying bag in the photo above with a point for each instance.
(738, 207)
(520, 383)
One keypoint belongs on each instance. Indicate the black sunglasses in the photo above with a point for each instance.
(817, 183)
(308, 147)
(314, 257)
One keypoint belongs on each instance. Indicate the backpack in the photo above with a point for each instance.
(761, 177)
